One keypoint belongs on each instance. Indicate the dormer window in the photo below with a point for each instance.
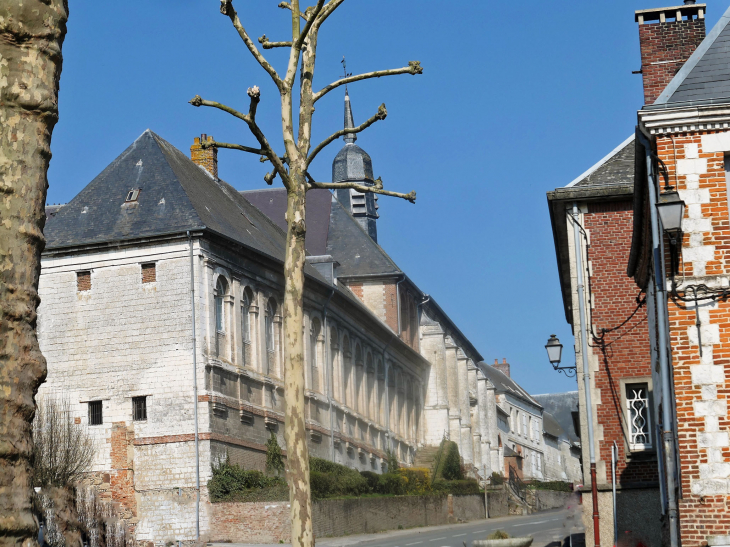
(132, 195)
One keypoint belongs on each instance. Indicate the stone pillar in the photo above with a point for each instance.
(436, 405)
(466, 448)
(452, 378)
(484, 433)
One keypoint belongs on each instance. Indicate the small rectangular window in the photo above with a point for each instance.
(149, 273)
(132, 195)
(95, 413)
(83, 281)
(638, 416)
(139, 408)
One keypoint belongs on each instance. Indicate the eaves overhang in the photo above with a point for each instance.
(558, 202)
(673, 118)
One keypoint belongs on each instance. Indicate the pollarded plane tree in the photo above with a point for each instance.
(292, 168)
(31, 36)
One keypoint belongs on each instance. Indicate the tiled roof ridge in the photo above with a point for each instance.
(603, 161)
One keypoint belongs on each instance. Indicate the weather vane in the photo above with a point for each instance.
(344, 67)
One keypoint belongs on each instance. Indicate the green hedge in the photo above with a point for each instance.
(558, 486)
(329, 480)
(230, 481)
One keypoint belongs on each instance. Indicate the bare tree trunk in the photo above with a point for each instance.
(294, 425)
(31, 36)
(292, 168)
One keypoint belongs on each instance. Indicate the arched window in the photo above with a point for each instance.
(313, 351)
(246, 301)
(270, 340)
(221, 288)
(346, 372)
(369, 385)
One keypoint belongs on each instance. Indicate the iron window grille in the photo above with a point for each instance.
(639, 417)
(139, 408)
(95, 413)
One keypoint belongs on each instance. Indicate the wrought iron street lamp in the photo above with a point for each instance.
(671, 212)
(555, 351)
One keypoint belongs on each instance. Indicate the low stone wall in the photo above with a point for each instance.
(551, 499)
(498, 503)
(268, 522)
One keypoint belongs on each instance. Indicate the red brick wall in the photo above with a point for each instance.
(664, 49)
(627, 353)
(122, 475)
(700, 514)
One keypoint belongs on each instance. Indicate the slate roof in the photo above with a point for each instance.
(551, 426)
(614, 169)
(505, 384)
(176, 195)
(272, 202)
(705, 77)
(561, 406)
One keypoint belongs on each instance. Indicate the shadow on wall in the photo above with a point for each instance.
(638, 509)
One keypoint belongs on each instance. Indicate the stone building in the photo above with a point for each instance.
(159, 277)
(561, 441)
(520, 432)
(683, 144)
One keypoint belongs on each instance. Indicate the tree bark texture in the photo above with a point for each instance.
(294, 430)
(31, 36)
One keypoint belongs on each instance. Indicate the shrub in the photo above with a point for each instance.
(499, 534)
(392, 483)
(62, 450)
(558, 486)
(418, 480)
(392, 461)
(329, 479)
(321, 484)
(372, 479)
(452, 464)
(457, 488)
(230, 480)
(497, 479)
(274, 461)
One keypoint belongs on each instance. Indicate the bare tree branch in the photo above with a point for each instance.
(287, 5)
(331, 6)
(267, 44)
(414, 67)
(227, 9)
(242, 148)
(377, 189)
(250, 120)
(381, 115)
(310, 21)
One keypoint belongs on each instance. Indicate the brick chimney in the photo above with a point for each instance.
(502, 367)
(205, 157)
(667, 36)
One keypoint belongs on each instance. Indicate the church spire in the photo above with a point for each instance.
(350, 138)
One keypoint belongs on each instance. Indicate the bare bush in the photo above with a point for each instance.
(62, 450)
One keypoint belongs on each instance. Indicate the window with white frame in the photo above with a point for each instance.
(638, 416)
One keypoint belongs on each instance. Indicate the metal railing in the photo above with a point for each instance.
(517, 484)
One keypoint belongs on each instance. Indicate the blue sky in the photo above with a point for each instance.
(516, 99)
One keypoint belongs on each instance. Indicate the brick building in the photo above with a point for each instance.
(684, 145)
(624, 401)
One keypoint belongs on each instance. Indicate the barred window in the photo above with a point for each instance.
(139, 408)
(95, 413)
(638, 416)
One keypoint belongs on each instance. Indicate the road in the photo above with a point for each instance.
(548, 528)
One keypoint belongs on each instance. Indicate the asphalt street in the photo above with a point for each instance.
(548, 528)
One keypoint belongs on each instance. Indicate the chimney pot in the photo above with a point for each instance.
(496, 361)
(205, 157)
